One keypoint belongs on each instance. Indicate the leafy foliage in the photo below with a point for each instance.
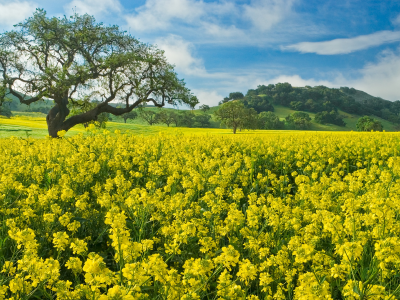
(367, 123)
(320, 98)
(165, 117)
(299, 121)
(129, 115)
(5, 111)
(268, 120)
(232, 114)
(204, 108)
(149, 116)
(332, 117)
(67, 59)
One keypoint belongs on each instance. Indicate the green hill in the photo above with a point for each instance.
(330, 105)
(283, 100)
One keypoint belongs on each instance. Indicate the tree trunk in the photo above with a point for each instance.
(234, 129)
(56, 116)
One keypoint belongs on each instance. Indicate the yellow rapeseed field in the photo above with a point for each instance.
(171, 216)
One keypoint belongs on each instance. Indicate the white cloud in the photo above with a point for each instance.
(161, 14)
(396, 21)
(93, 7)
(264, 14)
(180, 53)
(222, 20)
(381, 79)
(207, 97)
(13, 12)
(345, 46)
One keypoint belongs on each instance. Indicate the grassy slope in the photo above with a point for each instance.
(35, 126)
(25, 124)
(350, 120)
(360, 96)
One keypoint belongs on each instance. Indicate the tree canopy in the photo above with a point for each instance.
(367, 123)
(232, 114)
(73, 60)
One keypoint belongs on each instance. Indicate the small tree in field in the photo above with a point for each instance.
(232, 114)
(67, 59)
(149, 116)
(204, 108)
(129, 115)
(268, 120)
(165, 117)
(367, 123)
(5, 111)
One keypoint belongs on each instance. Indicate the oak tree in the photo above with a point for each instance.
(67, 59)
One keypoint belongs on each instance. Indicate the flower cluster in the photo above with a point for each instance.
(281, 216)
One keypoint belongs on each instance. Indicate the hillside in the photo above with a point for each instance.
(329, 105)
(282, 99)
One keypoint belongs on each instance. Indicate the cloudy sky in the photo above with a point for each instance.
(220, 47)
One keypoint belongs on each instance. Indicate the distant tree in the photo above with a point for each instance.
(226, 99)
(249, 119)
(251, 92)
(232, 96)
(129, 115)
(231, 114)
(5, 111)
(297, 105)
(174, 117)
(192, 102)
(186, 119)
(259, 103)
(236, 96)
(268, 120)
(283, 87)
(331, 117)
(149, 116)
(299, 121)
(202, 121)
(367, 123)
(165, 117)
(204, 108)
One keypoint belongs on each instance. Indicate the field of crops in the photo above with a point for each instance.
(173, 216)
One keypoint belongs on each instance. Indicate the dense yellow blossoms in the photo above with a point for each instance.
(294, 216)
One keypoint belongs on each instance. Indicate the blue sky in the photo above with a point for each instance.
(220, 47)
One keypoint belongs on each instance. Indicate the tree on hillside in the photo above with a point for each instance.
(299, 120)
(149, 116)
(186, 119)
(268, 120)
(129, 115)
(204, 108)
(174, 116)
(5, 111)
(249, 119)
(259, 103)
(236, 96)
(231, 114)
(367, 123)
(202, 121)
(232, 96)
(66, 59)
(165, 117)
(332, 117)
